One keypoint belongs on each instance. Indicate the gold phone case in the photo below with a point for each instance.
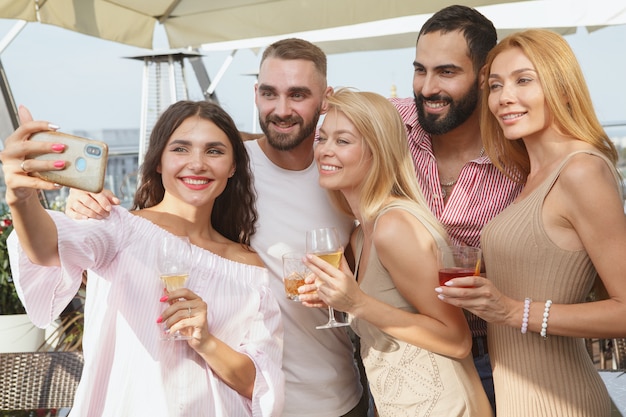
(86, 161)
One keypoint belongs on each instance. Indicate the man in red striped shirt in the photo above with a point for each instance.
(463, 188)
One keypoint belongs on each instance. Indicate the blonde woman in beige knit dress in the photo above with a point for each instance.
(415, 349)
(544, 252)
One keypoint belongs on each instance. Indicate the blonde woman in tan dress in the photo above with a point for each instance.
(566, 230)
(415, 349)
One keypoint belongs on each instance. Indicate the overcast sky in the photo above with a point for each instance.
(81, 82)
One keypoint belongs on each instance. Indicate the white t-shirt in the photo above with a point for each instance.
(321, 378)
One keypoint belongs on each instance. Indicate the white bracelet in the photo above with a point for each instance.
(544, 323)
(527, 302)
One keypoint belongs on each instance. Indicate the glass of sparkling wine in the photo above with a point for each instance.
(325, 244)
(174, 263)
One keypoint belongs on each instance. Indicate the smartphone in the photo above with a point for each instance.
(86, 161)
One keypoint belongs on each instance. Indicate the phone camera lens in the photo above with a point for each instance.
(94, 151)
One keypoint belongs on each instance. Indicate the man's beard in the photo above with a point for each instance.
(287, 142)
(458, 111)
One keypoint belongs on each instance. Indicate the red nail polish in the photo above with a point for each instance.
(59, 164)
(160, 320)
(58, 147)
(164, 298)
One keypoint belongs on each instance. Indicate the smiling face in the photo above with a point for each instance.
(445, 85)
(290, 97)
(516, 96)
(197, 162)
(343, 159)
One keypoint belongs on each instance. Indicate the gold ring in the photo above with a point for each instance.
(22, 166)
(189, 311)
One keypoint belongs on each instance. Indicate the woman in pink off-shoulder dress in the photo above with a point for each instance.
(195, 183)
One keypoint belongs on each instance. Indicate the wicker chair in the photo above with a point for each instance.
(619, 354)
(609, 354)
(39, 380)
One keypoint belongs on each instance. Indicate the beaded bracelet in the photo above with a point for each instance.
(527, 302)
(544, 323)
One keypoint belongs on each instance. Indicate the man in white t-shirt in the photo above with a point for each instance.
(321, 378)
(320, 375)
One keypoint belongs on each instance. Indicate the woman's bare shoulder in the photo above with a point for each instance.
(243, 254)
(398, 228)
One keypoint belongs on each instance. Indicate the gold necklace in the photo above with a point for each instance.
(444, 193)
(449, 184)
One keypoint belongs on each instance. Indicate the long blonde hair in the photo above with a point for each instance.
(566, 95)
(392, 172)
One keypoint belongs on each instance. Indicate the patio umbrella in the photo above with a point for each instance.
(190, 23)
(562, 16)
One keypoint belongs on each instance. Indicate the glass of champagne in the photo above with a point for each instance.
(325, 244)
(174, 263)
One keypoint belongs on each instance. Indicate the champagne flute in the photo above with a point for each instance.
(325, 244)
(174, 263)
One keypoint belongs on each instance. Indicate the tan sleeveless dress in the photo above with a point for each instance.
(404, 379)
(535, 377)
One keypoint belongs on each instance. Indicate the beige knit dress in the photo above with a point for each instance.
(554, 377)
(405, 380)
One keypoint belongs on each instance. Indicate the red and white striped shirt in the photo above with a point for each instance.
(480, 193)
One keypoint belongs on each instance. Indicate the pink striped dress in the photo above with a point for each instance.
(128, 370)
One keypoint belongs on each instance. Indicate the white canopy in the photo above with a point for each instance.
(335, 25)
(190, 23)
(563, 16)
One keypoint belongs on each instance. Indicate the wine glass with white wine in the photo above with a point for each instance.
(174, 263)
(324, 243)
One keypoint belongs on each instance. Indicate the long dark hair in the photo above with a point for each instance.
(234, 214)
